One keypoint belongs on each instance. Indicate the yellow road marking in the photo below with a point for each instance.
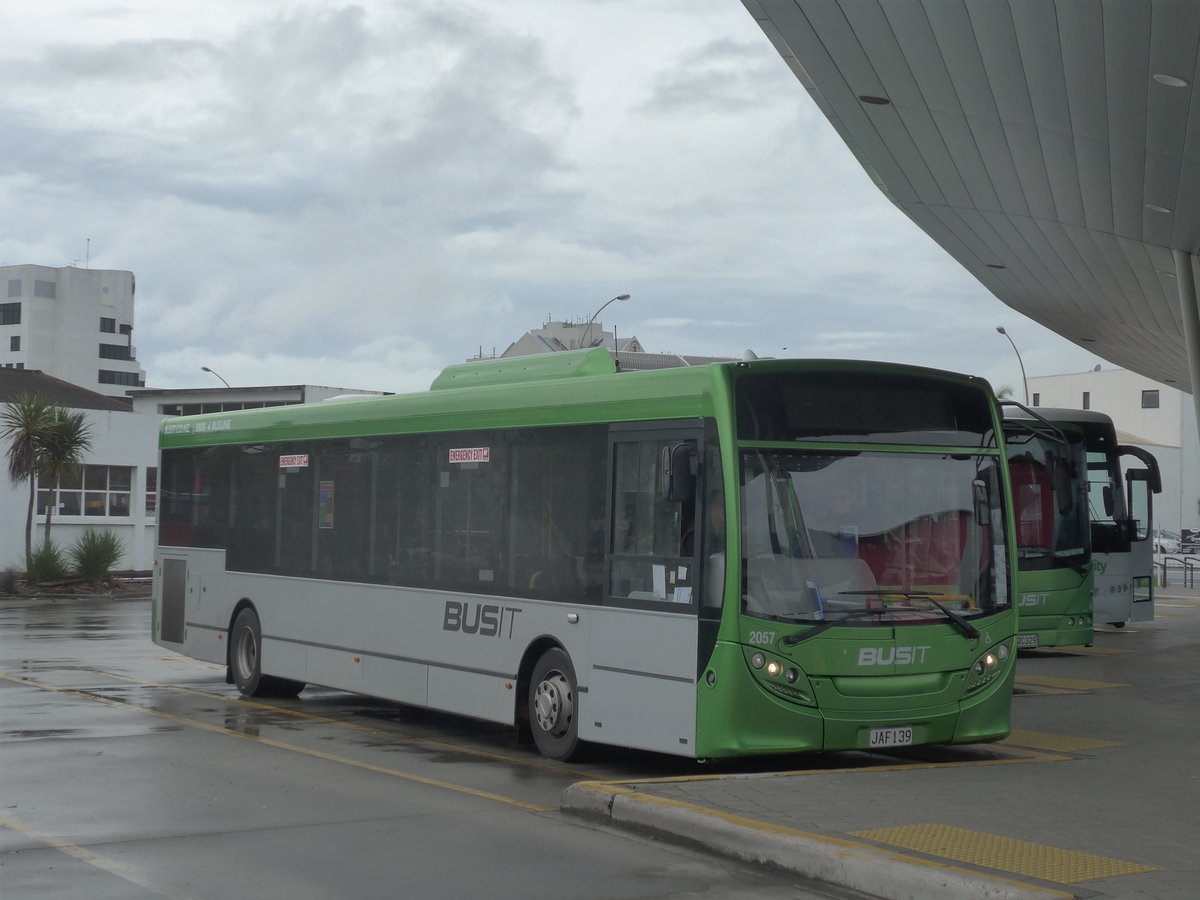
(1057, 742)
(94, 859)
(280, 745)
(370, 729)
(1004, 854)
(1069, 684)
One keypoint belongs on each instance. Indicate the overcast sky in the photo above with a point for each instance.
(359, 195)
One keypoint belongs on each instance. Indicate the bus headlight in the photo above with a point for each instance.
(987, 667)
(781, 677)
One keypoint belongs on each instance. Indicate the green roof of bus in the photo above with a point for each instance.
(568, 387)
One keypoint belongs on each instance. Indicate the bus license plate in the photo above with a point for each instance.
(1027, 640)
(891, 737)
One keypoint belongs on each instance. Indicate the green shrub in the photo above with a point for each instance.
(46, 563)
(94, 553)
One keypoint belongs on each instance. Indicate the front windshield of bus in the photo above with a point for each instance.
(871, 538)
(1051, 517)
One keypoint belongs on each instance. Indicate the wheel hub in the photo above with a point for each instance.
(553, 705)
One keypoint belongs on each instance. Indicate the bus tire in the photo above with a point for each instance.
(245, 661)
(552, 706)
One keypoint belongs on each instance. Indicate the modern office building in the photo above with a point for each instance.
(74, 324)
(1050, 148)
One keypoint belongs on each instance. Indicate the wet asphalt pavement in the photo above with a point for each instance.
(127, 772)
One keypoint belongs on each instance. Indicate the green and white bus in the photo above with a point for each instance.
(1047, 466)
(1121, 514)
(739, 558)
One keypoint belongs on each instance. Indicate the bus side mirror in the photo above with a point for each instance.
(678, 472)
(1108, 500)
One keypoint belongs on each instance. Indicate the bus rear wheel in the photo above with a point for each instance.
(245, 661)
(552, 708)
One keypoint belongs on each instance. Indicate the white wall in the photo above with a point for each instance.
(118, 439)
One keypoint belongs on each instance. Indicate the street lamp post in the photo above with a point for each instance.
(211, 372)
(588, 327)
(1024, 380)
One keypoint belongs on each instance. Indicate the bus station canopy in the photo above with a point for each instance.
(1053, 149)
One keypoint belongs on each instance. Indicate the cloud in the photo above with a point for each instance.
(365, 193)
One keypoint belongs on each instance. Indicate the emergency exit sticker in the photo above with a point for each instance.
(470, 454)
(295, 461)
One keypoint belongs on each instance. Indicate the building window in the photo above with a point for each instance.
(10, 313)
(126, 330)
(1087, 400)
(115, 351)
(1149, 399)
(151, 490)
(14, 287)
(1037, 399)
(14, 343)
(46, 289)
(108, 325)
(106, 490)
(90, 491)
(126, 378)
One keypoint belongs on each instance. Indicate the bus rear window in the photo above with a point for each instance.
(861, 408)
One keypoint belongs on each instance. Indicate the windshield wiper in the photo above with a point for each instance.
(828, 623)
(966, 627)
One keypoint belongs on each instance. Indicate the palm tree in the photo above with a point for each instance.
(66, 440)
(23, 423)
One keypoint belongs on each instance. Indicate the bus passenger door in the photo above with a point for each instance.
(1141, 484)
(1139, 494)
(641, 683)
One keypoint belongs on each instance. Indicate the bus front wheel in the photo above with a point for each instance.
(245, 661)
(552, 708)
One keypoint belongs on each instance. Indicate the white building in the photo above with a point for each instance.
(1147, 414)
(114, 489)
(75, 324)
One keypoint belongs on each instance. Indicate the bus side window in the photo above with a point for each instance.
(650, 530)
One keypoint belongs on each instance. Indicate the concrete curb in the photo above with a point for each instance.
(861, 867)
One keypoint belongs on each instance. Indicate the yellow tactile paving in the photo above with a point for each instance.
(1067, 684)
(1061, 743)
(1003, 854)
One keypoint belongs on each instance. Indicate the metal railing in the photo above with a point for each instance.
(1189, 564)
